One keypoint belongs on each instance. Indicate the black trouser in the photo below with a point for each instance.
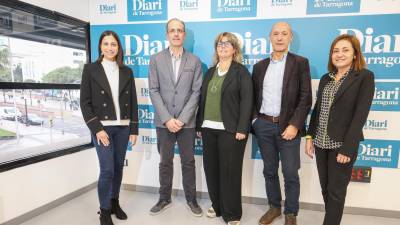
(334, 178)
(223, 162)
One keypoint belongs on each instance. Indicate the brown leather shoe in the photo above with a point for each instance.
(270, 216)
(290, 219)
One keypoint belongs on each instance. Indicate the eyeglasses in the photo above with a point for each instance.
(172, 31)
(224, 44)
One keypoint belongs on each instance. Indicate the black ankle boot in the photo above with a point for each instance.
(116, 209)
(105, 217)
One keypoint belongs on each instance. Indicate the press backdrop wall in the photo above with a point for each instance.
(315, 23)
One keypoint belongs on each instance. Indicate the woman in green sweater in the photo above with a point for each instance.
(223, 122)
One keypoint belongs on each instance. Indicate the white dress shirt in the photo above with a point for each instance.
(272, 87)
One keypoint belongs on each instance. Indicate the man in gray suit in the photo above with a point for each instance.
(175, 79)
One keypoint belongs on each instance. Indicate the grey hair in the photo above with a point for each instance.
(174, 19)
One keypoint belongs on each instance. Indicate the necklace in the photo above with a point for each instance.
(218, 77)
(216, 82)
(222, 69)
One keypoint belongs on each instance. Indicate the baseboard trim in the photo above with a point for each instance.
(42, 209)
(263, 201)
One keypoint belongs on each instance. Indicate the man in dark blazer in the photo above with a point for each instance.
(175, 79)
(282, 91)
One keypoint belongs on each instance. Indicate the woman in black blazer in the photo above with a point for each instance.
(223, 118)
(109, 108)
(343, 101)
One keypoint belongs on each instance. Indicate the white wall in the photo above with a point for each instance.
(75, 8)
(27, 188)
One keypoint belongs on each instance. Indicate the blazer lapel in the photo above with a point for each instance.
(263, 71)
(183, 62)
(288, 71)
(351, 77)
(101, 78)
(168, 62)
(123, 80)
(229, 76)
(261, 78)
(206, 81)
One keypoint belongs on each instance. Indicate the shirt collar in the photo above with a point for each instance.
(177, 57)
(108, 63)
(283, 59)
(332, 75)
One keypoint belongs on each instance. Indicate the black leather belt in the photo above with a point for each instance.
(269, 118)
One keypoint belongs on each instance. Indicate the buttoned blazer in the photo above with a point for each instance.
(174, 99)
(96, 97)
(236, 99)
(296, 97)
(349, 110)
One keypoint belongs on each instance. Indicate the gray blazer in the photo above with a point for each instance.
(175, 100)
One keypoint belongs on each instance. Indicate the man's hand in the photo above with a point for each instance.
(290, 132)
(173, 125)
(240, 136)
(179, 123)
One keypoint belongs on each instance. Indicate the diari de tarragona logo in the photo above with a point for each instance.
(147, 10)
(376, 125)
(378, 153)
(146, 116)
(380, 47)
(233, 8)
(151, 140)
(280, 3)
(198, 147)
(144, 92)
(386, 96)
(148, 140)
(108, 8)
(187, 5)
(332, 6)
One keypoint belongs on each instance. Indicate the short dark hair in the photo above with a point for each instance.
(119, 58)
(358, 61)
(174, 19)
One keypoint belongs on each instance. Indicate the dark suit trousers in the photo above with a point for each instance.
(223, 162)
(166, 142)
(334, 178)
(274, 148)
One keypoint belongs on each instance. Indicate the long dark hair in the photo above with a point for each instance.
(119, 58)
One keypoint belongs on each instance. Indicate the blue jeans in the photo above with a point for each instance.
(273, 148)
(111, 160)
